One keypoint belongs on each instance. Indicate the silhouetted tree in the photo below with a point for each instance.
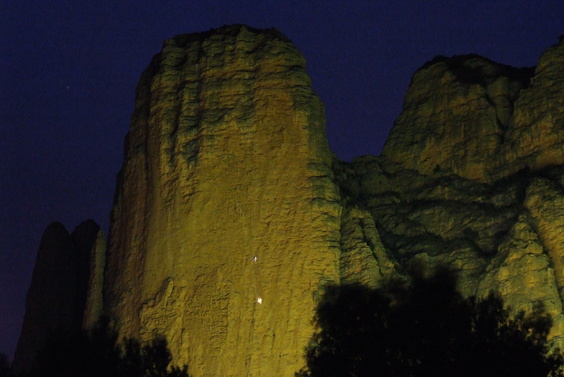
(85, 354)
(150, 360)
(425, 328)
(97, 353)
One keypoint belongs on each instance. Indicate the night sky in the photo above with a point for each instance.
(68, 71)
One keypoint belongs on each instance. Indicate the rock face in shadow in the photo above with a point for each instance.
(226, 218)
(56, 299)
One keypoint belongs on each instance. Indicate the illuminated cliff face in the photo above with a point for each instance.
(472, 177)
(231, 213)
(226, 220)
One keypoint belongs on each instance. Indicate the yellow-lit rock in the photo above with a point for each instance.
(545, 202)
(231, 213)
(523, 272)
(536, 137)
(472, 177)
(455, 115)
(363, 256)
(481, 120)
(226, 220)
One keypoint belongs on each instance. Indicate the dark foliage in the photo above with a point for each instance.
(4, 366)
(425, 328)
(98, 353)
(150, 360)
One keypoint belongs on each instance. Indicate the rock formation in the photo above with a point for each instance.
(471, 177)
(231, 213)
(481, 120)
(226, 219)
(56, 299)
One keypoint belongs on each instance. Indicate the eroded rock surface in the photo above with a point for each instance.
(226, 220)
(471, 178)
(481, 120)
(231, 213)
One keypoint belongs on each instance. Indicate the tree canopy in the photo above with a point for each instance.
(426, 328)
(98, 353)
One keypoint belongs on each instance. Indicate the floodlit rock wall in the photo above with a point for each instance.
(231, 213)
(535, 139)
(456, 114)
(478, 119)
(472, 177)
(226, 219)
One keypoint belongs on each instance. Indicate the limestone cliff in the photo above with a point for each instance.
(471, 177)
(226, 217)
(56, 299)
(231, 213)
(481, 120)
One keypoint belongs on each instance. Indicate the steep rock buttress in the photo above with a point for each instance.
(226, 217)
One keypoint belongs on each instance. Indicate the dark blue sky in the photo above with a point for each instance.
(68, 71)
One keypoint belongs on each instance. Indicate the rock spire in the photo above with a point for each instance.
(57, 297)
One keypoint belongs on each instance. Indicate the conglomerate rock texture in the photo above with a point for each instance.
(226, 219)
(231, 213)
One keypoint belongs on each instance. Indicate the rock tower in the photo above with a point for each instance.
(57, 298)
(226, 218)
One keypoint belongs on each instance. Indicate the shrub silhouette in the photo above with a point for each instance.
(426, 328)
(97, 353)
(4, 366)
(150, 360)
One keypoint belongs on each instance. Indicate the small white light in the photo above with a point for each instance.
(259, 300)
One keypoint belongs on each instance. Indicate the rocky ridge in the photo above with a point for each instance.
(471, 177)
(231, 213)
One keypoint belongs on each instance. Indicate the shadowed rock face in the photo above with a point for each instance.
(226, 219)
(56, 299)
(231, 213)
